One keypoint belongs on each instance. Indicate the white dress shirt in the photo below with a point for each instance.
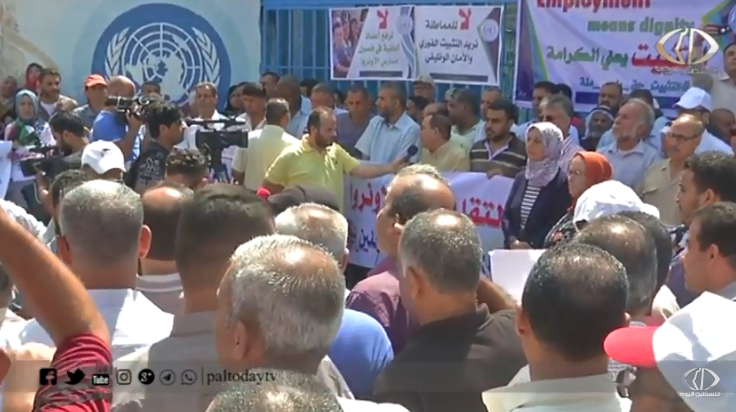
(133, 320)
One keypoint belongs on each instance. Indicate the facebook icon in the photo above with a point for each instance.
(47, 376)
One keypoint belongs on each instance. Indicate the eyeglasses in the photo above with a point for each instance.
(680, 138)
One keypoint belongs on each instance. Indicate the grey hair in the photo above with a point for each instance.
(102, 221)
(558, 100)
(649, 116)
(298, 308)
(317, 224)
(422, 169)
(270, 390)
(445, 245)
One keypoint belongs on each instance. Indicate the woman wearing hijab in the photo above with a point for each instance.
(24, 132)
(586, 169)
(539, 196)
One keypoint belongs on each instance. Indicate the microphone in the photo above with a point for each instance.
(413, 149)
(263, 193)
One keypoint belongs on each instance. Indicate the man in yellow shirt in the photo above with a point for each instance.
(319, 161)
(264, 146)
(439, 148)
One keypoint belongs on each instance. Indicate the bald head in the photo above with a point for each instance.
(161, 210)
(317, 224)
(687, 125)
(121, 86)
(413, 194)
(292, 289)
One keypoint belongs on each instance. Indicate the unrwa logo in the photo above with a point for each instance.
(165, 44)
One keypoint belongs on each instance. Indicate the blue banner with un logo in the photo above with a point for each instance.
(176, 44)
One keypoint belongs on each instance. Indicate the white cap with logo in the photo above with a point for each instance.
(103, 156)
(695, 98)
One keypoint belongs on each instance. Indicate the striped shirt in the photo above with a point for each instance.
(569, 149)
(527, 202)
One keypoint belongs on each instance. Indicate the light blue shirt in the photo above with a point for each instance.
(629, 167)
(384, 143)
(654, 140)
(298, 123)
(709, 142)
(360, 351)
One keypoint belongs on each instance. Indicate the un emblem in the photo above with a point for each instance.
(165, 44)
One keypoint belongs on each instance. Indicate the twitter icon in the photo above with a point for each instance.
(75, 377)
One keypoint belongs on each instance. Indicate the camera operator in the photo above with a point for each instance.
(165, 124)
(109, 126)
(206, 102)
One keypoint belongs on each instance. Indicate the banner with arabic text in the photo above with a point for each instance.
(586, 44)
(450, 43)
(479, 197)
(375, 43)
(459, 43)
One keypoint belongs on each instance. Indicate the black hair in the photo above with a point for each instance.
(160, 113)
(617, 84)
(442, 123)
(310, 84)
(643, 94)
(163, 221)
(48, 71)
(715, 171)
(574, 297)
(419, 101)
(315, 117)
(252, 89)
(505, 105)
(65, 121)
(359, 88)
(213, 223)
(717, 227)
(630, 243)
(548, 86)
(562, 88)
(271, 74)
(64, 182)
(662, 242)
(276, 109)
(399, 92)
(467, 98)
(190, 163)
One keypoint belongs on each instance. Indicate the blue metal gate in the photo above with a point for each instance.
(295, 39)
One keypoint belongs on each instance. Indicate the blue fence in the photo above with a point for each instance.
(295, 39)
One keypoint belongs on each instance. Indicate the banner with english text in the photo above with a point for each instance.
(459, 44)
(585, 44)
(479, 197)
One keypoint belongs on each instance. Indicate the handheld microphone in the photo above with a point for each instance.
(413, 149)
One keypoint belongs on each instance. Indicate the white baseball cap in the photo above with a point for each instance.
(694, 98)
(608, 198)
(694, 350)
(103, 156)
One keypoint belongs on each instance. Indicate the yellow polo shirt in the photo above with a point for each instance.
(450, 157)
(302, 164)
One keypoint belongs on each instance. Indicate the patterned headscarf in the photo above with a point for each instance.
(540, 173)
(25, 131)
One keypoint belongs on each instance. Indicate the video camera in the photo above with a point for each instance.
(50, 162)
(134, 106)
(211, 142)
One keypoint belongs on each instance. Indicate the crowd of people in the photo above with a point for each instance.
(126, 259)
